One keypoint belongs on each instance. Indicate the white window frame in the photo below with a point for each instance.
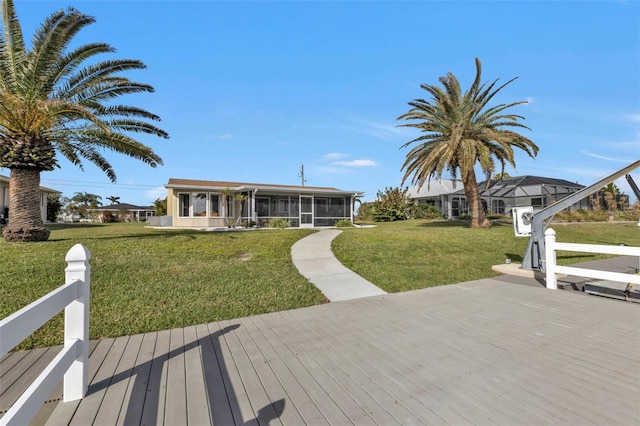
(180, 213)
(194, 196)
(209, 210)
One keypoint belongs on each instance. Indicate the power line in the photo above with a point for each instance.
(63, 182)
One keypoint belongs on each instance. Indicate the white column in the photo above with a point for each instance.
(550, 258)
(76, 323)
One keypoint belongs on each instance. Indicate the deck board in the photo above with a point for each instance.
(115, 395)
(483, 352)
(154, 402)
(90, 404)
(217, 396)
(136, 392)
(197, 401)
(239, 399)
(299, 403)
(176, 393)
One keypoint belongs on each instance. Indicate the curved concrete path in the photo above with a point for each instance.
(314, 259)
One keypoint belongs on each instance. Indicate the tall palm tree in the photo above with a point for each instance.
(53, 101)
(459, 132)
(113, 199)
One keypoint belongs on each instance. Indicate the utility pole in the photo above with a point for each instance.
(301, 174)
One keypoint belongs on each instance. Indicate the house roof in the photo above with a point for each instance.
(518, 186)
(526, 186)
(435, 188)
(125, 206)
(244, 186)
(5, 179)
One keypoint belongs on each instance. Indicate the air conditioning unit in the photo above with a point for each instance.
(522, 221)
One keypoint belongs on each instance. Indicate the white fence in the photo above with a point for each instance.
(72, 361)
(552, 268)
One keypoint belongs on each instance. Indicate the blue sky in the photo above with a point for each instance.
(250, 91)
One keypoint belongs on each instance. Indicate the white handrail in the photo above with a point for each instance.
(72, 361)
(551, 246)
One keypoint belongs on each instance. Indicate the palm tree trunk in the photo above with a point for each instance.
(25, 222)
(478, 219)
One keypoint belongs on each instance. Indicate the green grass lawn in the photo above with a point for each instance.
(148, 279)
(414, 254)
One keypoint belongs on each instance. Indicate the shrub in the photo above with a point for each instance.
(108, 217)
(278, 222)
(54, 206)
(425, 211)
(582, 215)
(364, 211)
(344, 223)
(391, 205)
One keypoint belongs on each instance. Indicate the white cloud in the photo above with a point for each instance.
(388, 132)
(377, 129)
(223, 136)
(634, 118)
(155, 193)
(335, 156)
(355, 163)
(602, 157)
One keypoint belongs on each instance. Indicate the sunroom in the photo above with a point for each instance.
(216, 204)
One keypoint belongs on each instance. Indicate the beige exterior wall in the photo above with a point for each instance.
(197, 222)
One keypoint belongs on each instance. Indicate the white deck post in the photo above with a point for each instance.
(550, 258)
(76, 322)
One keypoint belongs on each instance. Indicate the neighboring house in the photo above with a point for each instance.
(4, 200)
(500, 196)
(123, 212)
(436, 193)
(202, 203)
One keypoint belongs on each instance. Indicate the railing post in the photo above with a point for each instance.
(76, 322)
(550, 258)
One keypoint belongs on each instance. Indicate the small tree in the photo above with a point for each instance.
(227, 195)
(81, 202)
(160, 206)
(54, 206)
(364, 211)
(391, 205)
(242, 198)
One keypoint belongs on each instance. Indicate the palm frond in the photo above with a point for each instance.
(49, 45)
(460, 131)
(13, 52)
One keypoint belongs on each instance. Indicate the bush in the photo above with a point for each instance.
(425, 211)
(54, 206)
(278, 222)
(344, 223)
(364, 211)
(582, 216)
(387, 214)
(391, 205)
(108, 217)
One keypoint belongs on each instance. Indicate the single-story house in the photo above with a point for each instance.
(123, 212)
(500, 196)
(4, 200)
(204, 204)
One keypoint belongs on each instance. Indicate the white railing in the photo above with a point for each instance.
(551, 246)
(72, 361)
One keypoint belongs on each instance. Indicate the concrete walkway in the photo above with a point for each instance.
(314, 259)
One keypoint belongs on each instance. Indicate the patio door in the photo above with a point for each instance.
(306, 211)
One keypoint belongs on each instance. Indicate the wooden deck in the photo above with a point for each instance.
(483, 352)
